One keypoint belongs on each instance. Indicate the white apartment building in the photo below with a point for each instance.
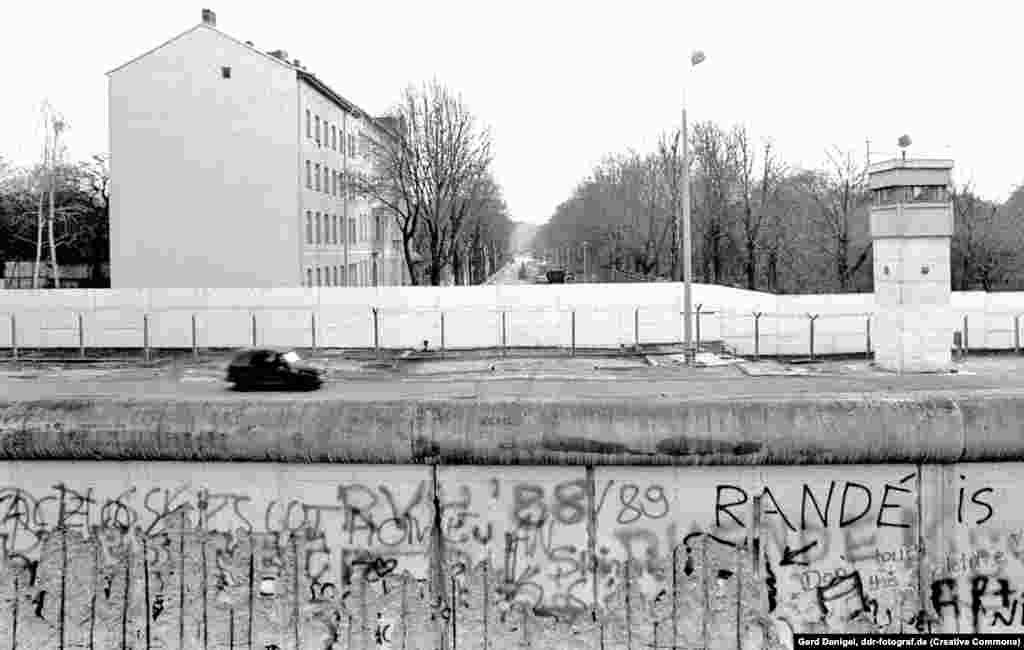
(228, 167)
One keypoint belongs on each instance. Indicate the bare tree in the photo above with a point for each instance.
(986, 241)
(715, 156)
(486, 232)
(54, 124)
(757, 196)
(840, 194)
(669, 165)
(427, 171)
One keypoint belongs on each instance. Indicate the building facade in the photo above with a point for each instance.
(228, 169)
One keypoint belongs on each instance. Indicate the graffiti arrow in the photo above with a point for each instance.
(788, 555)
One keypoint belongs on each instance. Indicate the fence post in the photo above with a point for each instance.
(14, 336)
(81, 338)
(253, 318)
(636, 327)
(697, 324)
(757, 334)
(572, 351)
(967, 345)
(145, 336)
(867, 330)
(1016, 333)
(195, 343)
(812, 318)
(312, 325)
(442, 331)
(376, 332)
(504, 335)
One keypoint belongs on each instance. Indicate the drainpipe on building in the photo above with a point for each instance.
(345, 193)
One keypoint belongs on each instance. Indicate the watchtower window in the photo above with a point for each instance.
(910, 194)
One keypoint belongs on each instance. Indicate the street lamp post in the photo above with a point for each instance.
(689, 353)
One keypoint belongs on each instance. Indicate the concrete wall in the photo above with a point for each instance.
(155, 554)
(204, 170)
(606, 315)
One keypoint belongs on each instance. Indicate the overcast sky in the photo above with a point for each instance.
(562, 83)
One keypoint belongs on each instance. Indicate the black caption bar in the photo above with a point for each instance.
(841, 641)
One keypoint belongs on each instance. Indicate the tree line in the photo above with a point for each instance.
(433, 172)
(758, 222)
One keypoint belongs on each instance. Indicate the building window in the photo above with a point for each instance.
(327, 183)
(336, 277)
(929, 193)
(318, 276)
(309, 277)
(309, 124)
(317, 227)
(309, 227)
(309, 175)
(334, 138)
(334, 230)
(318, 129)
(318, 177)
(351, 229)
(225, 72)
(327, 229)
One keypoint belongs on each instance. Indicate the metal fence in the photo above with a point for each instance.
(754, 333)
(370, 328)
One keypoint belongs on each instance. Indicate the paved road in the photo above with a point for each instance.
(556, 380)
(509, 274)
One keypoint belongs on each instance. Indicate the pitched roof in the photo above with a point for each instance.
(189, 31)
(309, 77)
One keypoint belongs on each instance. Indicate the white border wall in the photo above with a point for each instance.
(592, 315)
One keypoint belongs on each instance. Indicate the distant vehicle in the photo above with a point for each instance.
(273, 368)
(556, 276)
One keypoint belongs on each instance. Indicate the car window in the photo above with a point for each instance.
(259, 359)
(290, 357)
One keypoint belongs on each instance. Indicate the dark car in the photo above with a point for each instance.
(273, 368)
(556, 276)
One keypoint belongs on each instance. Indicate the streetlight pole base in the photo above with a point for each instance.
(690, 354)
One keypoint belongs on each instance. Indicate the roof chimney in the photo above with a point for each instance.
(279, 54)
(297, 63)
(209, 18)
(249, 43)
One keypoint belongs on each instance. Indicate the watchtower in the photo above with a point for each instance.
(911, 230)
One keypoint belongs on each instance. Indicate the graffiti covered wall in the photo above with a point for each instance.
(187, 555)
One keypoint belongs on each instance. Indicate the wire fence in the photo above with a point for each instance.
(754, 333)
